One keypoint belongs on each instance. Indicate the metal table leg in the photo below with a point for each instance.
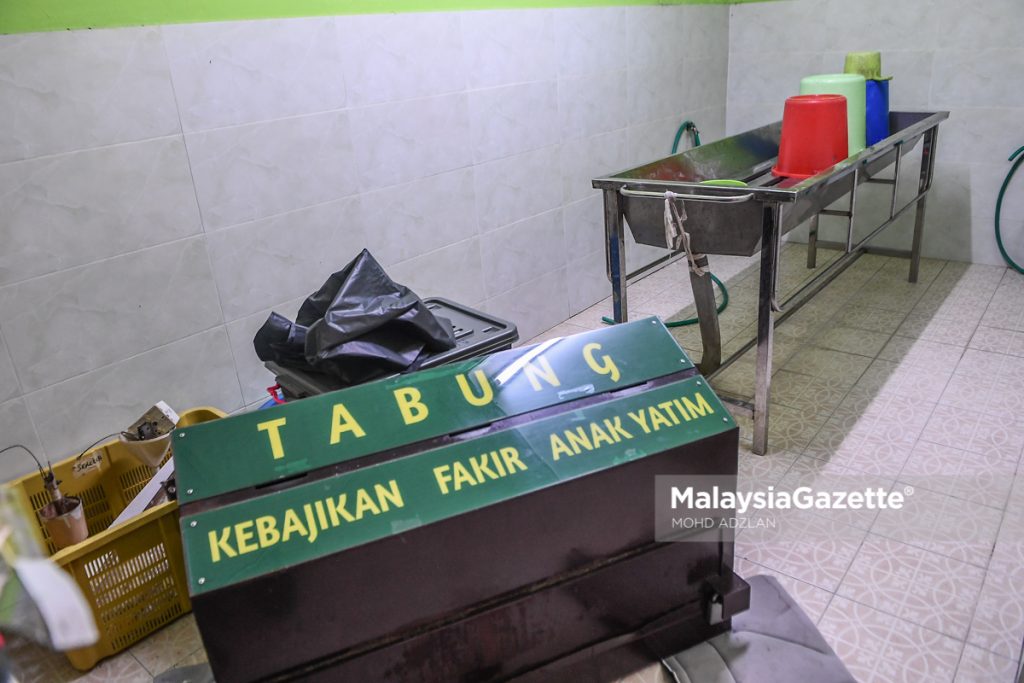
(766, 324)
(812, 243)
(925, 182)
(707, 315)
(615, 253)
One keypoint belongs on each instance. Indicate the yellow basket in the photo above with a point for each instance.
(133, 575)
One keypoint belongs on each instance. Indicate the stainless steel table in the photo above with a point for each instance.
(741, 221)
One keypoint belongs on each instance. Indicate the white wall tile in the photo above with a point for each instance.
(969, 78)
(252, 374)
(848, 26)
(403, 141)
(63, 91)
(231, 73)
(453, 272)
(262, 169)
(588, 281)
(584, 226)
(751, 80)
(704, 33)
(520, 252)
(592, 104)
(763, 26)
(71, 209)
(742, 116)
(508, 46)
(978, 135)
(275, 259)
(406, 221)
(16, 428)
(60, 325)
(197, 371)
(704, 84)
(586, 159)
(655, 91)
(590, 39)
(513, 119)
(385, 57)
(911, 82)
(517, 187)
(9, 386)
(986, 180)
(990, 24)
(654, 35)
(653, 140)
(535, 306)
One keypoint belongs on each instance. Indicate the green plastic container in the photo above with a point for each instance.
(854, 88)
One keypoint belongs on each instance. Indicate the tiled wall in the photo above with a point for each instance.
(965, 57)
(162, 189)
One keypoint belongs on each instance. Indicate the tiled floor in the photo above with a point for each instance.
(877, 381)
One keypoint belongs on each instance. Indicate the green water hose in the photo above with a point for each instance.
(692, 128)
(999, 204)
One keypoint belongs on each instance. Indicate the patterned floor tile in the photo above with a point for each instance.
(812, 599)
(940, 524)
(852, 340)
(806, 546)
(980, 478)
(998, 624)
(880, 648)
(981, 666)
(167, 646)
(926, 589)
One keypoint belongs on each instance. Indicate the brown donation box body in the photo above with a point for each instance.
(486, 520)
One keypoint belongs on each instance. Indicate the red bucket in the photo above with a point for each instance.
(813, 135)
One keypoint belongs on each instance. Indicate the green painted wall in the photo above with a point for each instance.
(24, 16)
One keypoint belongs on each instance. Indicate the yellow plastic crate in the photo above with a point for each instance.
(133, 575)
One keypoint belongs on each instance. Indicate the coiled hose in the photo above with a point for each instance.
(999, 205)
(692, 128)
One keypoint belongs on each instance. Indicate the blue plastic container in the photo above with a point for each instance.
(877, 127)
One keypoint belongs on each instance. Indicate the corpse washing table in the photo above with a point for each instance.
(740, 221)
(490, 519)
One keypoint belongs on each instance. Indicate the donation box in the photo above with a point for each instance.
(485, 520)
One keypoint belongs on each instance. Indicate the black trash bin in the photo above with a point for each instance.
(476, 334)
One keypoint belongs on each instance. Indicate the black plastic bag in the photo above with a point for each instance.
(360, 325)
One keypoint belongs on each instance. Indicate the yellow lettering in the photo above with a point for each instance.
(390, 495)
(599, 435)
(486, 392)
(310, 522)
(443, 477)
(512, 461)
(266, 530)
(701, 408)
(292, 525)
(667, 407)
(244, 534)
(558, 448)
(410, 404)
(641, 419)
(364, 504)
(681, 409)
(544, 372)
(219, 544)
(462, 475)
(658, 420)
(321, 515)
(273, 430)
(481, 469)
(614, 426)
(337, 510)
(605, 367)
(342, 422)
(578, 440)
